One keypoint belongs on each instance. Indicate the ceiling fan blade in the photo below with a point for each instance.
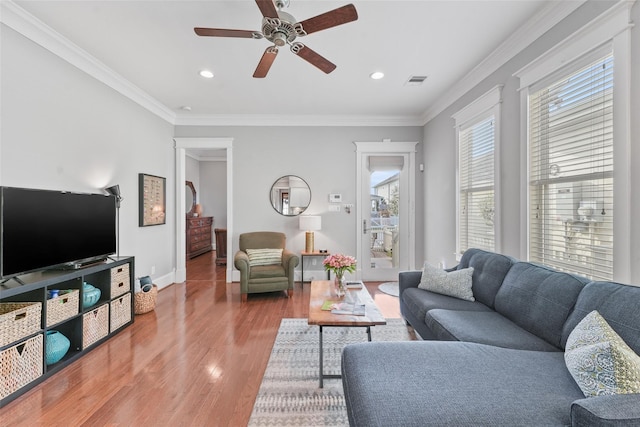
(267, 8)
(312, 57)
(220, 32)
(267, 59)
(333, 18)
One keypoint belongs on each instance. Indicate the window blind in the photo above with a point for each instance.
(571, 172)
(476, 189)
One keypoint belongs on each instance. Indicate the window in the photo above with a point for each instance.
(575, 111)
(477, 139)
(571, 166)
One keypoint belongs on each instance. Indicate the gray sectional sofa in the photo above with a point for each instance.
(495, 361)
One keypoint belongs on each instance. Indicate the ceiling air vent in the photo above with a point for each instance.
(415, 80)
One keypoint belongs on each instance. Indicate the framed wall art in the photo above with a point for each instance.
(152, 191)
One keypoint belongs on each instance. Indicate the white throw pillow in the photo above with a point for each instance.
(455, 283)
(599, 360)
(264, 256)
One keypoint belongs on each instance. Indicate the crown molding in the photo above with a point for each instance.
(40, 33)
(540, 23)
(37, 31)
(32, 28)
(299, 120)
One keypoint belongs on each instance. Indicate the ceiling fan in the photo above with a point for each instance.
(281, 28)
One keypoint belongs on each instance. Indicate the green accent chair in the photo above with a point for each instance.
(265, 278)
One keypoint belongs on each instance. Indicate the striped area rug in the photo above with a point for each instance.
(289, 394)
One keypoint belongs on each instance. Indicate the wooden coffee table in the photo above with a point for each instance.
(321, 292)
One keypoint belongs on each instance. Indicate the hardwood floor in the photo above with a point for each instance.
(197, 360)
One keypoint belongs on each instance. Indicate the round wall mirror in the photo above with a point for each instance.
(290, 195)
(190, 199)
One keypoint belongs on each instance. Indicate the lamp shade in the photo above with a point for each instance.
(114, 190)
(310, 222)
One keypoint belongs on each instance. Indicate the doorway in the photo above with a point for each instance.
(182, 144)
(386, 217)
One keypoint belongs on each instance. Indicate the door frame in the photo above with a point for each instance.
(181, 145)
(364, 149)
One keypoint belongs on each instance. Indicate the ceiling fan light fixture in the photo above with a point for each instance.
(207, 74)
(279, 39)
(377, 75)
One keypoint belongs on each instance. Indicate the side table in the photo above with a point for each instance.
(303, 255)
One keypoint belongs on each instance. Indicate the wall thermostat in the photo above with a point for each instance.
(335, 198)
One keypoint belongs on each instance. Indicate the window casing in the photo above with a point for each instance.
(477, 133)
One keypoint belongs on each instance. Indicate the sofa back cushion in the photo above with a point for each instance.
(489, 270)
(539, 299)
(618, 304)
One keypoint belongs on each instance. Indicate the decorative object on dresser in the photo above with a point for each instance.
(199, 237)
(221, 246)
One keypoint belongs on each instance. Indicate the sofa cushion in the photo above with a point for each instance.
(615, 302)
(455, 283)
(419, 301)
(264, 256)
(483, 327)
(489, 270)
(539, 299)
(599, 360)
(442, 383)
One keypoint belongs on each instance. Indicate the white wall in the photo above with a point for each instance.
(439, 148)
(63, 130)
(213, 195)
(323, 156)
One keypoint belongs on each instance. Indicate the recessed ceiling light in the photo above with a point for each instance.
(185, 108)
(207, 74)
(377, 75)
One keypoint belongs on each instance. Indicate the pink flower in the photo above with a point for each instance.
(339, 264)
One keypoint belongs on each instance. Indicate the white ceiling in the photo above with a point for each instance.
(151, 44)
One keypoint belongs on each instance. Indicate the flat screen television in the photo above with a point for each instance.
(42, 229)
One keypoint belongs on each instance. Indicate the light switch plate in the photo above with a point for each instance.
(335, 198)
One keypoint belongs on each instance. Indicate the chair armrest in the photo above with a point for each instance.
(241, 261)
(289, 257)
(618, 410)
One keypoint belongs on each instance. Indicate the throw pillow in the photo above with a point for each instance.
(599, 360)
(455, 283)
(264, 256)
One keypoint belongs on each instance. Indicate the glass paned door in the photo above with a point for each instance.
(385, 207)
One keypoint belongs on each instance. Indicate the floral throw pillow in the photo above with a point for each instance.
(455, 283)
(264, 256)
(599, 360)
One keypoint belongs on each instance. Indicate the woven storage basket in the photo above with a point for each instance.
(18, 320)
(63, 307)
(95, 325)
(145, 302)
(120, 311)
(120, 281)
(20, 365)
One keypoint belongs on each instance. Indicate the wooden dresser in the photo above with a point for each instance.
(198, 236)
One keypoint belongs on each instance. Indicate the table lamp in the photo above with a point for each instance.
(310, 223)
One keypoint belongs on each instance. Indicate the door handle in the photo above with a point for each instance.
(364, 226)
